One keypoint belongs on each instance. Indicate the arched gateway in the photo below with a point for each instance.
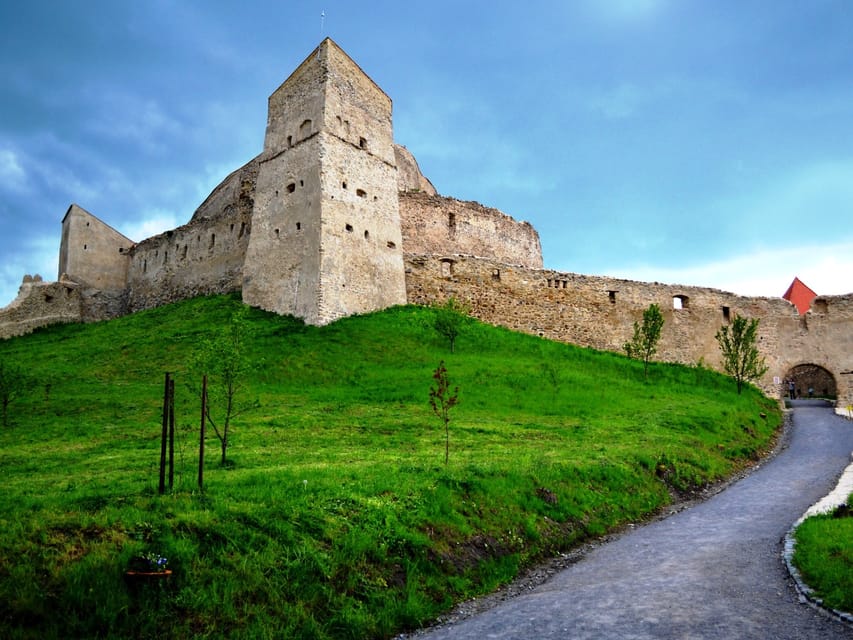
(811, 380)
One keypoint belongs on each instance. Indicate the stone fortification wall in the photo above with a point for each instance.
(435, 225)
(333, 218)
(326, 231)
(281, 271)
(92, 252)
(823, 337)
(361, 266)
(599, 312)
(409, 176)
(39, 304)
(202, 257)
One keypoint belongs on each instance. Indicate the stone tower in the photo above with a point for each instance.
(326, 236)
(92, 252)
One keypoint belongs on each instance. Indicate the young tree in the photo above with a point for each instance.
(644, 344)
(14, 382)
(450, 317)
(223, 359)
(741, 358)
(442, 400)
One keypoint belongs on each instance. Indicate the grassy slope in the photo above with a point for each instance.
(337, 516)
(824, 557)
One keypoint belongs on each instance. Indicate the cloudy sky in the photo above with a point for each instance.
(699, 142)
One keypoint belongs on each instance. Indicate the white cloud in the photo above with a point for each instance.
(140, 122)
(12, 175)
(152, 223)
(826, 268)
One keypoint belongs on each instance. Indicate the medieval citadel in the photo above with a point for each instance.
(333, 219)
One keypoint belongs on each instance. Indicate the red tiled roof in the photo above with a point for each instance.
(800, 295)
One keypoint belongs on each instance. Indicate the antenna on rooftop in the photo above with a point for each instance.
(322, 22)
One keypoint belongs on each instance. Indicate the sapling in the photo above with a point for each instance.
(644, 343)
(741, 358)
(442, 400)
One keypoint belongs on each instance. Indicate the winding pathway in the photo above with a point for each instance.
(711, 571)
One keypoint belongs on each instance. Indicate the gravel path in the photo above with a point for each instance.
(711, 571)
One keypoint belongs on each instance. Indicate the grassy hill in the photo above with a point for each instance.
(335, 516)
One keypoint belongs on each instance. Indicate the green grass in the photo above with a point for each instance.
(336, 517)
(824, 556)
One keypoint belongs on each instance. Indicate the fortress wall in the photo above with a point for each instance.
(92, 252)
(39, 304)
(362, 256)
(356, 110)
(202, 257)
(199, 258)
(295, 109)
(361, 259)
(824, 337)
(435, 225)
(599, 312)
(282, 264)
(409, 176)
(235, 192)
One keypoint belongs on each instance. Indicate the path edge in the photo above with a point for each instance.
(807, 594)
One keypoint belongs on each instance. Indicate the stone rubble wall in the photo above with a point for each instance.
(437, 225)
(599, 312)
(409, 176)
(204, 256)
(39, 304)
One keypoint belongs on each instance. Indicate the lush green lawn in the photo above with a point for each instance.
(824, 556)
(336, 516)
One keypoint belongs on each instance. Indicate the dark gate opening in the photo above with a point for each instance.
(809, 381)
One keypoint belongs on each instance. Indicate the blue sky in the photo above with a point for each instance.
(698, 142)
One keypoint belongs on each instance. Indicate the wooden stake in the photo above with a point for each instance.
(171, 434)
(201, 439)
(163, 434)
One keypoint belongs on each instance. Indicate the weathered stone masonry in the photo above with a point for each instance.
(332, 218)
(599, 312)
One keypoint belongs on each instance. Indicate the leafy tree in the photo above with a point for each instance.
(741, 358)
(644, 344)
(14, 382)
(223, 359)
(442, 400)
(450, 318)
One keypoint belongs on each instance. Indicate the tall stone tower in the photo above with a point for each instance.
(326, 239)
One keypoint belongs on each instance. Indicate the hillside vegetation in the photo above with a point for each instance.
(336, 516)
